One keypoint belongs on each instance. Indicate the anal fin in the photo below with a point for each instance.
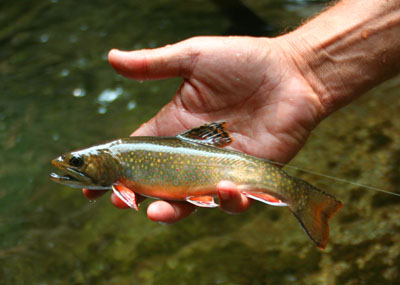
(265, 198)
(202, 201)
(126, 195)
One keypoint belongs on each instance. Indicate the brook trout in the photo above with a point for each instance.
(187, 168)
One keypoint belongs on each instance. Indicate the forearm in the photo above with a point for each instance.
(348, 49)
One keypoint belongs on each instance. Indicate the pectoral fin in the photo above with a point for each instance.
(202, 201)
(210, 134)
(126, 195)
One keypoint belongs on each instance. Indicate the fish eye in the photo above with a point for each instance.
(76, 161)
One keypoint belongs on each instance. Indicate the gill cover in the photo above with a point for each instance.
(93, 168)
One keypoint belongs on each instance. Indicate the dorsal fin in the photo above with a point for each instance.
(210, 134)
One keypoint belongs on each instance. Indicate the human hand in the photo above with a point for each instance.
(252, 83)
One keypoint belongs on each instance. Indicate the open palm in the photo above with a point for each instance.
(251, 83)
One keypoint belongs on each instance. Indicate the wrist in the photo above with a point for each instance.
(342, 56)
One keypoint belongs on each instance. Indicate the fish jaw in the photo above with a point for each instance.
(73, 177)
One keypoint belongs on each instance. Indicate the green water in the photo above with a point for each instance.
(58, 93)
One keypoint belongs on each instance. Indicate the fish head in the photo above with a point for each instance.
(95, 169)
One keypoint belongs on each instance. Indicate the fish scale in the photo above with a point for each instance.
(188, 167)
(162, 164)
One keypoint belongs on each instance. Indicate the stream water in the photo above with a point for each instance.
(58, 93)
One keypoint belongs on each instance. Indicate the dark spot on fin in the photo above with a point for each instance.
(202, 201)
(126, 195)
(314, 211)
(210, 134)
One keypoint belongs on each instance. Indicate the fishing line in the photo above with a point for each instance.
(336, 179)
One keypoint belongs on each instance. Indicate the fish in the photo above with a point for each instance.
(187, 167)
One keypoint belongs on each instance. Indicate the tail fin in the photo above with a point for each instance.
(313, 211)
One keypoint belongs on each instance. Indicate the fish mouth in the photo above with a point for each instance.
(58, 178)
(68, 177)
(71, 180)
(71, 177)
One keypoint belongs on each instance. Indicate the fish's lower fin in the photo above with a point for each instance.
(313, 211)
(202, 201)
(126, 195)
(265, 198)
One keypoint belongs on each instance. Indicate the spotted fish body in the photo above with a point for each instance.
(188, 167)
(172, 169)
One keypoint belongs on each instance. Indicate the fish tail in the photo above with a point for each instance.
(313, 211)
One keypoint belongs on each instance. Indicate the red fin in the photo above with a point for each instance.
(265, 198)
(202, 201)
(126, 195)
(211, 134)
(313, 211)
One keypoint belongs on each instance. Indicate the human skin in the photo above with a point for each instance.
(272, 92)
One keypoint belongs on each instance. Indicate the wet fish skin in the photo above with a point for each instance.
(172, 169)
(98, 170)
(188, 167)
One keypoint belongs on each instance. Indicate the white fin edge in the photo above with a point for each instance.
(277, 204)
(202, 204)
(123, 198)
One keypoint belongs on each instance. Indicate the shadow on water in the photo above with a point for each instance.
(59, 93)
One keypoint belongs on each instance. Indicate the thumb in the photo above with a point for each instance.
(169, 61)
